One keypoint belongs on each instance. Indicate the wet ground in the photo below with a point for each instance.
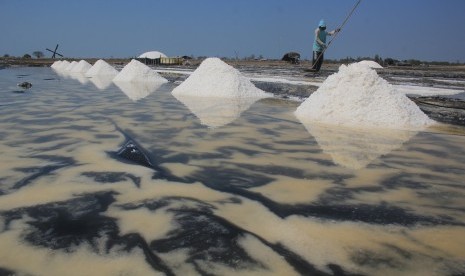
(98, 179)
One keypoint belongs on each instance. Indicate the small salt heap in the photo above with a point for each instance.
(56, 64)
(101, 68)
(136, 71)
(70, 67)
(371, 64)
(81, 67)
(356, 96)
(62, 65)
(215, 78)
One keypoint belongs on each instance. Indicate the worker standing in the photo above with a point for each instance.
(319, 45)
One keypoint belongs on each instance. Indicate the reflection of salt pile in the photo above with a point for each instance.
(138, 90)
(101, 68)
(101, 74)
(136, 71)
(215, 78)
(137, 80)
(81, 67)
(357, 96)
(371, 64)
(101, 82)
(215, 111)
(356, 148)
(224, 93)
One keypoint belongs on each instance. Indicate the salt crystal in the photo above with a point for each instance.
(357, 96)
(101, 68)
(215, 78)
(136, 71)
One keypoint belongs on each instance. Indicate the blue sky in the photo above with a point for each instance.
(431, 30)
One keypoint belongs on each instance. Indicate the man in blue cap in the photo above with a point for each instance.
(319, 45)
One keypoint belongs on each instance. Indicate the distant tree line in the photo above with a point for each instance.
(392, 61)
(37, 54)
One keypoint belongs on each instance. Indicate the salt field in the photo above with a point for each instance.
(100, 177)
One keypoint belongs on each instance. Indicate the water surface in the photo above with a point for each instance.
(99, 179)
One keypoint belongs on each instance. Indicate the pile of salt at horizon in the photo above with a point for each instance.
(223, 91)
(60, 65)
(356, 96)
(81, 67)
(102, 68)
(137, 80)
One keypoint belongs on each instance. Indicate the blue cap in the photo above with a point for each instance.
(322, 23)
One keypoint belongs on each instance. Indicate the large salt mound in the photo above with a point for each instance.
(371, 64)
(357, 96)
(101, 68)
(82, 67)
(215, 78)
(136, 71)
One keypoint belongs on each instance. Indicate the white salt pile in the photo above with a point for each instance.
(215, 78)
(136, 71)
(371, 64)
(70, 67)
(62, 65)
(81, 67)
(101, 68)
(56, 64)
(357, 96)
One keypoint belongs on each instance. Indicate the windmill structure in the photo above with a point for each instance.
(54, 52)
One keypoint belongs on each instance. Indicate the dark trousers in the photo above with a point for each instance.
(317, 60)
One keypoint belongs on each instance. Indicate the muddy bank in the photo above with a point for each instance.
(442, 109)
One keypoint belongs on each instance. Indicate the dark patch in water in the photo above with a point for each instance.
(228, 181)
(4, 271)
(113, 177)
(374, 259)
(223, 179)
(403, 180)
(36, 172)
(106, 136)
(293, 172)
(62, 225)
(206, 237)
(228, 151)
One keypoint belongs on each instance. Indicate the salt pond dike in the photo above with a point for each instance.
(357, 96)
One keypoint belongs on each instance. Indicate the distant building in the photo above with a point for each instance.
(158, 58)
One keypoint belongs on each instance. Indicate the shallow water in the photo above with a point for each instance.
(105, 180)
